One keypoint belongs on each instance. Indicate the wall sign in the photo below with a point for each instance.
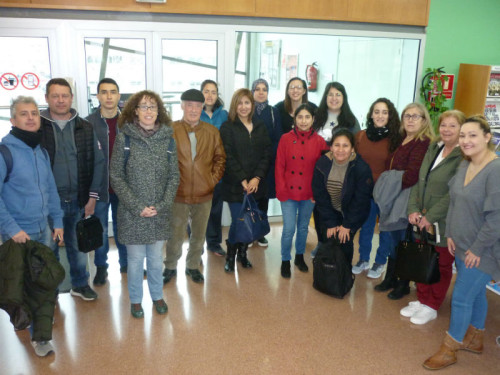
(9, 81)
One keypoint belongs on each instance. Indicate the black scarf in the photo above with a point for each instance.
(32, 139)
(375, 134)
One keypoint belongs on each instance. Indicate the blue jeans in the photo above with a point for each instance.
(390, 251)
(135, 272)
(214, 225)
(469, 305)
(295, 213)
(77, 260)
(366, 237)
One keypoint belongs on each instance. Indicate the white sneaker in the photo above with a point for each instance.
(42, 348)
(360, 267)
(494, 287)
(424, 315)
(376, 271)
(411, 309)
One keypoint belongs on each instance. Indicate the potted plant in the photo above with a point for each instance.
(432, 93)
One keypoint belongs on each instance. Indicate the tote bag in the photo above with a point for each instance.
(251, 223)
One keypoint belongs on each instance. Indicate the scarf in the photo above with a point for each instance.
(32, 139)
(259, 107)
(146, 133)
(375, 134)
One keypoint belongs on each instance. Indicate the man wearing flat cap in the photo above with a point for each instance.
(201, 164)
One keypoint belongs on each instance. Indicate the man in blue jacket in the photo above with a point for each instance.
(28, 193)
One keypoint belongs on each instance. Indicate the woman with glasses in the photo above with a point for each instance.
(416, 132)
(295, 95)
(144, 175)
(248, 155)
(271, 117)
(214, 113)
(334, 112)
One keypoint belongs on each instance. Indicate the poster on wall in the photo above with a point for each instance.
(269, 62)
(291, 66)
(494, 85)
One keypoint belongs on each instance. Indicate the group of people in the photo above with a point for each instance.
(167, 180)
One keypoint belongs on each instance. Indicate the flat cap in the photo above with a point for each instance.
(193, 95)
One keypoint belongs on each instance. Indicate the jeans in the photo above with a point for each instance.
(295, 214)
(102, 211)
(469, 305)
(366, 236)
(135, 272)
(198, 215)
(77, 260)
(214, 225)
(390, 251)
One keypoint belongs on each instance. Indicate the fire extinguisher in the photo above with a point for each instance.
(312, 77)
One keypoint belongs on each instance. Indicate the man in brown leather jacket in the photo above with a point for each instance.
(201, 165)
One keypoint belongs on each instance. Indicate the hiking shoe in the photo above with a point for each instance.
(160, 306)
(410, 310)
(168, 275)
(263, 242)
(360, 267)
(84, 292)
(217, 250)
(195, 275)
(376, 271)
(42, 348)
(101, 275)
(494, 287)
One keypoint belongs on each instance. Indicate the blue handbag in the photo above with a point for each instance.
(251, 223)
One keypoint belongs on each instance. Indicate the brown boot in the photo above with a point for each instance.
(473, 340)
(447, 354)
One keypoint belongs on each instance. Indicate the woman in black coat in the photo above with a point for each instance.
(342, 188)
(248, 156)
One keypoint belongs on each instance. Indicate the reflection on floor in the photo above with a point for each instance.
(250, 322)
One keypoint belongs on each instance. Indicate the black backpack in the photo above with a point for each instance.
(332, 273)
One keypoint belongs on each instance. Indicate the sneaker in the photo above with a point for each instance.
(360, 267)
(250, 244)
(494, 287)
(263, 242)
(84, 292)
(42, 348)
(424, 315)
(217, 250)
(101, 275)
(376, 271)
(411, 309)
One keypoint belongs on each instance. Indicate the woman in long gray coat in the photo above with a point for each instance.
(145, 175)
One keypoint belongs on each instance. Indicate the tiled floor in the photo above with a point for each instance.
(249, 322)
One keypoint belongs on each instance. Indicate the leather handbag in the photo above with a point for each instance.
(89, 234)
(417, 262)
(251, 223)
(332, 273)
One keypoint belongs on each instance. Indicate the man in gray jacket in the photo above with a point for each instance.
(77, 164)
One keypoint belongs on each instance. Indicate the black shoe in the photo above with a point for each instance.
(389, 279)
(195, 275)
(241, 256)
(402, 288)
(84, 292)
(285, 269)
(230, 257)
(299, 262)
(123, 269)
(168, 275)
(100, 275)
(217, 250)
(263, 242)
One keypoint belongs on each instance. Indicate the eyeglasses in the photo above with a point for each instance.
(412, 117)
(295, 87)
(144, 108)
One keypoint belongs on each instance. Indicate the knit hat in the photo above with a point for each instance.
(257, 81)
(193, 95)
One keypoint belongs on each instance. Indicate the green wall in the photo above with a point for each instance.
(462, 31)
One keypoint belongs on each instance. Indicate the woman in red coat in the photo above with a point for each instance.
(298, 152)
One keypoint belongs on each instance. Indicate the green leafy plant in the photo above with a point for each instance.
(431, 93)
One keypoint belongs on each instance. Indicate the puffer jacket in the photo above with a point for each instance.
(29, 277)
(149, 177)
(198, 177)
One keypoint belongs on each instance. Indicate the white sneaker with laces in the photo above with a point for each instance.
(376, 271)
(412, 308)
(424, 315)
(42, 348)
(360, 267)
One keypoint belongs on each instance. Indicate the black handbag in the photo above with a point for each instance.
(251, 223)
(417, 262)
(332, 273)
(89, 234)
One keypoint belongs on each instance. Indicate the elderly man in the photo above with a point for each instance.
(201, 164)
(77, 163)
(28, 196)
